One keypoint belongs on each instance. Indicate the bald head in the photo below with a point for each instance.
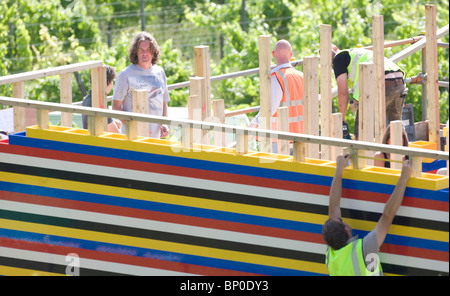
(282, 52)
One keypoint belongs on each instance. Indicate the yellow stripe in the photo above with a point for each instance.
(165, 246)
(14, 271)
(215, 205)
(323, 168)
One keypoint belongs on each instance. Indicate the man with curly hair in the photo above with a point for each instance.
(143, 73)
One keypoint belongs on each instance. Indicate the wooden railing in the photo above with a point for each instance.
(200, 105)
(242, 133)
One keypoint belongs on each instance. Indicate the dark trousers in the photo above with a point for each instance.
(395, 93)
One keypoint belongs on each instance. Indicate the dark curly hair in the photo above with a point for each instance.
(134, 46)
(334, 234)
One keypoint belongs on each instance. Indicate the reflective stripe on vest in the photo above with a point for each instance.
(292, 98)
(349, 261)
(361, 55)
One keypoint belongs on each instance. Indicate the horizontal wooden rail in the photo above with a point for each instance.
(49, 72)
(210, 126)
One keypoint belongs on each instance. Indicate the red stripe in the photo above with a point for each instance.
(415, 252)
(220, 176)
(120, 258)
(163, 217)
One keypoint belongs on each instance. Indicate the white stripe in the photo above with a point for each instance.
(415, 262)
(279, 194)
(88, 263)
(165, 226)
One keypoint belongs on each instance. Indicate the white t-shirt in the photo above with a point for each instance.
(154, 80)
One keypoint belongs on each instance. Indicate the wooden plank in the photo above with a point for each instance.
(311, 102)
(366, 114)
(396, 127)
(96, 126)
(65, 91)
(325, 87)
(299, 152)
(379, 82)
(196, 91)
(265, 89)
(43, 119)
(140, 105)
(19, 112)
(336, 132)
(49, 72)
(283, 125)
(432, 76)
(219, 117)
(418, 45)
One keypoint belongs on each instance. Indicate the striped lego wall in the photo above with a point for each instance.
(147, 207)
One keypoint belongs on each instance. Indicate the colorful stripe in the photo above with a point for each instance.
(140, 208)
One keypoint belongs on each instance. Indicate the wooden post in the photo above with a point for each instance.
(283, 125)
(311, 102)
(265, 89)
(424, 84)
(299, 152)
(241, 143)
(196, 91)
(396, 127)
(42, 118)
(96, 125)
(19, 112)
(325, 87)
(219, 117)
(202, 69)
(366, 114)
(356, 162)
(447, 149)
(432, 75)
(140, 105)
(187, 137)
(378, 78)
(65, 90)
(416, 167)
(336, 132)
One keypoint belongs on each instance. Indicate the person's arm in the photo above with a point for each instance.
(393, 204)
(334, 210)
(341, 81)
(164, 128)
(379, 162)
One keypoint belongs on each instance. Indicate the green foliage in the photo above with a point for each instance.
(40, 34)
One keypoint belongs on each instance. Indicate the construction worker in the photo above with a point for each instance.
(347, 255)
(286, 90)
(346, 70)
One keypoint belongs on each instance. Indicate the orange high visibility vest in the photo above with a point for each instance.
(292, 97)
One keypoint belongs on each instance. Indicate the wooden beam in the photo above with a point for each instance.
(336, 132)
(378, 78)
(283, 125)
(65, 91)
(325, 86)
(432, 76)
(202, 69)
(140, 105)
(418, 45)
(196, 91)
(366, 114)
(219, 117)
(311, 102)
(265, 89)
(49, 72)
(396, 127)
(19, 112)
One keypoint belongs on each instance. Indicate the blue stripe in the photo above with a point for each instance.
(150, 253)
(206, 213)
(21, 140)
(160, 207)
